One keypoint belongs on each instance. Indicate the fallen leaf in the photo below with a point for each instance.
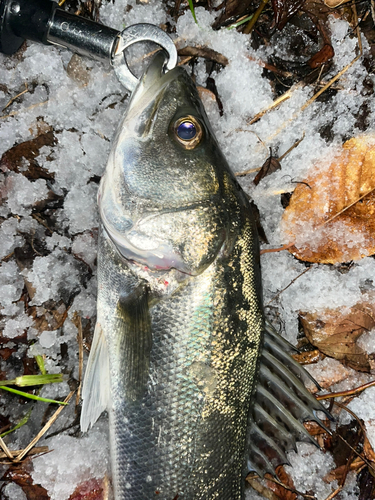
(330, 217)
(269, 167)
(78, 71)
(336, 333)
(366, 484)
(48, 319)
(338, 473)
(306, 358)
(279, 490)
(89, 490)
(257, 485)
(22, 157)
(324, 55)
(23, 478)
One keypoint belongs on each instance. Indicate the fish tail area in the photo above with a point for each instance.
(281, 404)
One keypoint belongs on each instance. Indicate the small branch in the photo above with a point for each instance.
(5, 449)
(33, 451)
(16, 97)
(44, 430)
(334, 493)
(291, 283)
(255, 17)
(280, 249)
(204, 52)
(351, 392)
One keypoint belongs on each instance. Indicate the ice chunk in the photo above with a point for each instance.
(11, 283)
(13, 492)
(47, 339)
(52, 276)
(72, 461)
(16, 327)
(84, 246)
(80, 210)
(22, 194)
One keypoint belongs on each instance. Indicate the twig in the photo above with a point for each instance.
(334, 493)
(78, 322)
(16, 97)
(15, 113)
(292, 147)
(34, 451)
(5, 448)
(274, 105)
(346, 208)
(280, 249)
(293, 490)
(346, 393)
(44, 430)
(291, 283)
(363, 431)
(315, 96)
(255, 17)
(204, 52)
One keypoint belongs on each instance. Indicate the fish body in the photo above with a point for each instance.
(180, 334)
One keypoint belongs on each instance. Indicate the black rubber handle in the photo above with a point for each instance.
(24, 19)
(42, 21)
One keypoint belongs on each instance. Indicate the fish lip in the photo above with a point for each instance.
(152, 85)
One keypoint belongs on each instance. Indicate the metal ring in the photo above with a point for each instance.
(142, 32)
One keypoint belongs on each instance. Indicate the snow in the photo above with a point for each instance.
(84, 108)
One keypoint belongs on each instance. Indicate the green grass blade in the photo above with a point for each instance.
(20, 424)
(192, 10)
(31, 396)
(26, 380)
(235, 25)
(40, 362)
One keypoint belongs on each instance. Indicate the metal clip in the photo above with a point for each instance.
(142, 32)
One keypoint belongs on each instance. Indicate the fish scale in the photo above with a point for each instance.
(198, 387)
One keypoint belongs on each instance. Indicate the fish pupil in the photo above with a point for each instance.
(186, 131)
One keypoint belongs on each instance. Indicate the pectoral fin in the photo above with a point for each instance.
(135, 341)
(96, 387)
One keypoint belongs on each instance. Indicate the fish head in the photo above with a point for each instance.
(163, 195)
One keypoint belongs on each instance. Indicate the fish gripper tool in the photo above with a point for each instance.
(44, 22)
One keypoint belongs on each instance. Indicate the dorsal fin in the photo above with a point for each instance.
(281, 403)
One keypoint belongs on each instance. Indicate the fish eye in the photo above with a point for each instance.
(188, 132)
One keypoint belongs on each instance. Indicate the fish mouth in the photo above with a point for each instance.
(152, 85)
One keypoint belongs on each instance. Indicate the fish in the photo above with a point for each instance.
(199, 387)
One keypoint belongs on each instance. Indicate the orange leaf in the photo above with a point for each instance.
(330, 217)
(335, 333)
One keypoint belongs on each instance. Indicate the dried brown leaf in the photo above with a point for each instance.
(89, 490)
(336, 333)
(23, 478)
(48, 319)
(331, 216)
(24, 155)
(338, 473)
(306, 358)
(269, 167)
(279, 490)
(322, 57)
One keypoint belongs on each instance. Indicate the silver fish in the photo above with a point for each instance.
(198, 387)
